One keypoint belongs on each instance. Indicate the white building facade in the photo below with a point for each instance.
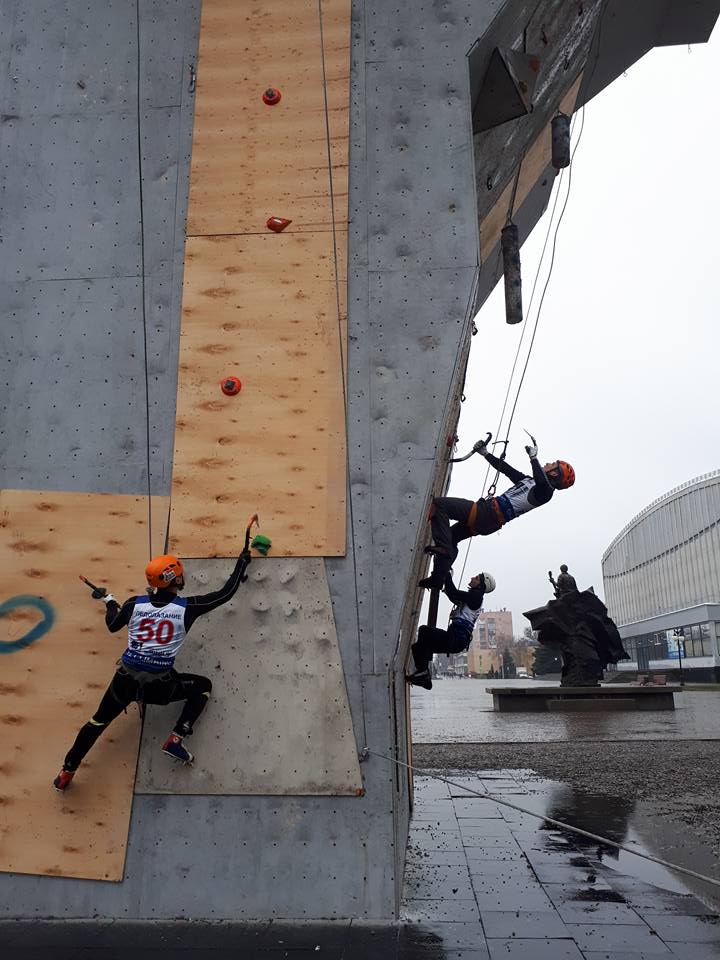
(662, 582)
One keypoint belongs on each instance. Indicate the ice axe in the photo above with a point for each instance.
(97, 592)
(254, 519)
(476, 449)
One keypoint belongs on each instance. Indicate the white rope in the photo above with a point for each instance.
(555, 823)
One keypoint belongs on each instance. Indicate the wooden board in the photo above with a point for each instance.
(268, 308)
(263, 308)
(251, 161)
(533, 163)
(51, 686)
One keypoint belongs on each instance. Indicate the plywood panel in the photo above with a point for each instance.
(262, 308)
(52, 685)
(268, 308)
(533, 163)
(278, 721)
(251, 161)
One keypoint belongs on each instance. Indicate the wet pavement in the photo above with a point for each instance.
(460, 711)
(487, 881)
(483, 881)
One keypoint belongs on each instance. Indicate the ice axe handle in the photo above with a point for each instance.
(97, 592)
(254, 519)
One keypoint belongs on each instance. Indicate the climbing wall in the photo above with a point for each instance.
(73, 415)
(57, 659)
(266, 307)
(278, 720)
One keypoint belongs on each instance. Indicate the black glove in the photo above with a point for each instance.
(99, 593)
(481, 448)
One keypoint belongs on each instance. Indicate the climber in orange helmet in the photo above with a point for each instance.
(157, 624)
(485, 516)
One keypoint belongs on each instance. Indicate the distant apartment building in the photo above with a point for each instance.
(493, 633)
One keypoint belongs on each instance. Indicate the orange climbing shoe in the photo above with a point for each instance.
(62, 780)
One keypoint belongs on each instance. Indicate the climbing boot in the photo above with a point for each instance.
(435, 581)
(174, 748)
(421, 678)
(62, 780)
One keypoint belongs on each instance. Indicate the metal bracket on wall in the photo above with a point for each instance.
(506, 90)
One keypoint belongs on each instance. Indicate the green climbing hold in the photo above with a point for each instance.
(262, 544)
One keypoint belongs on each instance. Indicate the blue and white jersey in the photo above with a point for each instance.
(155, 635)
(515, 501)
(463, 619)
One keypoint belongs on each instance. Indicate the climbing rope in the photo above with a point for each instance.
(142, 283)
(341, 347)
(540, 816)
(538, 313)
(600, 19)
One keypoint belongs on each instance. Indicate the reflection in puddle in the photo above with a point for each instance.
(624, 821)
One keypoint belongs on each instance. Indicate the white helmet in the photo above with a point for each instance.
(489, 582)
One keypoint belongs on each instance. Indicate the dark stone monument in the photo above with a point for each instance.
(577, 624)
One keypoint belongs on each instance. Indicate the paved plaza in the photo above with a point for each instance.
(488, 881)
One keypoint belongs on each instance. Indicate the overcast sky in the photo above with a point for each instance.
(623, 380)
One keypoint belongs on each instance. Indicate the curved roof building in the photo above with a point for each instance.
(662, 577)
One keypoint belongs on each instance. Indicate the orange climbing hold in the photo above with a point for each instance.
(230, 386)
(278, 224)
(271, 96)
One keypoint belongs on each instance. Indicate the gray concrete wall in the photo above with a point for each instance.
(72, 401)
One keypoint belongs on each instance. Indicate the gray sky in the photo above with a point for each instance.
(623, 378)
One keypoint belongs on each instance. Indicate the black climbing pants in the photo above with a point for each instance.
(434, 640)
(125, 689)
(448, 537)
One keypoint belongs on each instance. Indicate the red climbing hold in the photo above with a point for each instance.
(271, 96)
(278, 224)
(230, 386)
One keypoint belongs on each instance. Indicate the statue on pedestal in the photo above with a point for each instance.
(577, 624)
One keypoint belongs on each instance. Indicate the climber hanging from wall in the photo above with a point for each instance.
(457, 637)
(157, 624)
(486, 516)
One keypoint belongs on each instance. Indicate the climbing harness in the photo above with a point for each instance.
(366, 752)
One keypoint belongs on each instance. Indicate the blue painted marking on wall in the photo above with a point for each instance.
(39, 630)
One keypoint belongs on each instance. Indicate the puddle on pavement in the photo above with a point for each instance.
(620, 819)
(625, 821)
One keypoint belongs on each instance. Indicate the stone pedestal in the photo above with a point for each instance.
(582, 699)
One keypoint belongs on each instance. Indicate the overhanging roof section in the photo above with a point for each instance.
(627, 31)
(582, 47)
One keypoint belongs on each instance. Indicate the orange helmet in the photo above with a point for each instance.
(163, 571)
(560, 474)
